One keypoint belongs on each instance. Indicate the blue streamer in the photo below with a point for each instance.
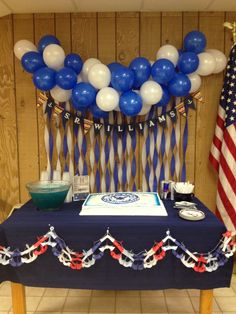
(185, 144)
(173, 144)
(163, 145)
(155, 159)
(97, 159)
(107, 174)
(115, 144)
(133, 162)
(124, 174)
(76, 149)
(84, 151)
(147, 146)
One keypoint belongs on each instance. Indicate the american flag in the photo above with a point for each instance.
(223, 150)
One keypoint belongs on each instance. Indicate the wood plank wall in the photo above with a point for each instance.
(108, 36)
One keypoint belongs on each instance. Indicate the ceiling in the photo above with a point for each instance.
(43, 6)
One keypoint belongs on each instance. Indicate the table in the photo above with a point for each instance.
(138, 233)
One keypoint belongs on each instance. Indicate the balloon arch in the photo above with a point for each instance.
(132, 89)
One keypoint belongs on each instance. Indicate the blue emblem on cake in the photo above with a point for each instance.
(120, 198)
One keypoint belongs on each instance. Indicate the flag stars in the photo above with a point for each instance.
(234, 102)
(228, 100)
(228, 74)
(230, 92)
(233, 110)
(233, 77)
(227, 108)
(231, 84)
(222, 97)
(231, 118)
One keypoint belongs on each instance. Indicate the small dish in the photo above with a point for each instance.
(192, 214)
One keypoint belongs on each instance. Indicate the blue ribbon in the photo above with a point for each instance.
(76, 149)
(185, 144)
(173, 143)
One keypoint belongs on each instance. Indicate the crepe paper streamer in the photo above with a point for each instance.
(83, 154)
(198, 262)
(46, 137)
(115, 169)
(107, 172)
(97, 160)
(102, 161)
(80, 140)
(167, 146)
(56, 176)
(155, 159)
(45, 175)
(70, 144)
(119, 155)
(76, 148)
(128, 161)
(145, 157)
(162, 152)
(112, 155)
(177, 151)
(124, 166)
(134, 163)
(92, 161)
(65, 124)
(58, 142)
(173, 145)
(158, 147)
(185, 144)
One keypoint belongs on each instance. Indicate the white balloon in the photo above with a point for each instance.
(168, 52)
(220, 58)
(151, 62)
(145, 110)
(87, 66)
(207, 64)
(99, 75)
(151, 92)
(60, 94)
(107, 99)
(196, 82)
(53, 56)
(22, 46)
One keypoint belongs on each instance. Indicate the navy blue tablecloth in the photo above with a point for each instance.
(137, 233)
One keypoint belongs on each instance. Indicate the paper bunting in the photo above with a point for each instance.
(199, 262)
(86, 124)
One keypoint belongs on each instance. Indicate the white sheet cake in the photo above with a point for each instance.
(123, 204)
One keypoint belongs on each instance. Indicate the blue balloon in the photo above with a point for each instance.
(163, 71)
(44, 78)
(74, 62)
(165, 97)
(188, 62)
(180, 85)
(83, 95)
(122, 79)
(66, 78)
(195, 41)
(130, 103)
(32, 61)
(113, 66)
(47, 40)
(142, 70)
(97, 112)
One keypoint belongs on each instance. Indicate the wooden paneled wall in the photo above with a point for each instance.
(108, 36)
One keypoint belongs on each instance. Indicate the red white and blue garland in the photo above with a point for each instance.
(199, 262)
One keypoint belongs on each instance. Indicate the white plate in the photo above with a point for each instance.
(191, 214)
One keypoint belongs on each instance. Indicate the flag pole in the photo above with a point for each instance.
(232, 27)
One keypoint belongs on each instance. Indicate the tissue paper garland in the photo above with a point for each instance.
(199, 262)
